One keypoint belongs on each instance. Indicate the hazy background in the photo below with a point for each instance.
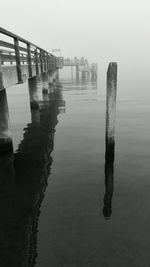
(101, 30)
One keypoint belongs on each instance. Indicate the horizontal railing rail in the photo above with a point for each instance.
(14, 53)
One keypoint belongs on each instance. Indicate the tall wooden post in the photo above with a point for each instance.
(110, 141)
(18, 62)
(77, 73)
(41, 60)
(5, 133)
(33, 93)
(111, 102)
(29, 60)
(1, 75)
(109, 179)
(36, 62)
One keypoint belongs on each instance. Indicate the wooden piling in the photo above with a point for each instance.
(1, 76)
(77, 73)
(41, 60)
(5, 133)
(111, 102)
(32, 84)
(109, 180)
(29, 60)
(36, 62)
(18, 62)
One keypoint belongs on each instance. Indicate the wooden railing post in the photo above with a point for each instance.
(36, 62)
(29, 60)
(41, 60)
(1, 75)
(45, 69)
(18, 62)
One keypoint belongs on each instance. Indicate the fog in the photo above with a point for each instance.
(101, 30)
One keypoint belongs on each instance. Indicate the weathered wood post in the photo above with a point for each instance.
(77, 73)
(44, 83)
(29, 60)
(110, 140)
(5, 133)
(18, 62)
(33, 93)
(41, 60)
(83, 76)
(109, 180)
(72, 73)
(111, 102)
(36, 62)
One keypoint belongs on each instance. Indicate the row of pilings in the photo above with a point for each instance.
(48, 79)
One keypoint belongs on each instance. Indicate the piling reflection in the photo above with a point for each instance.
(109, 178)
(23, 179)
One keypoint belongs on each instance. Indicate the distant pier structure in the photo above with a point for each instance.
(84, 70)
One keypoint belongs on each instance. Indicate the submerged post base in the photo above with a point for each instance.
(34, 105)
(6, 145)
(45, 91)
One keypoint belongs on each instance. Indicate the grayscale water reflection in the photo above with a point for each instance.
(52, 191)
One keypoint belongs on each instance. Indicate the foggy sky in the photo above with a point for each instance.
(99, 29)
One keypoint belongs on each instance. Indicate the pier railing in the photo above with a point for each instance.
(20, 52)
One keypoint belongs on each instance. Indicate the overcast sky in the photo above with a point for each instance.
(101, 30)
(104, 29)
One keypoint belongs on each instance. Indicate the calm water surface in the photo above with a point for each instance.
(53, 187)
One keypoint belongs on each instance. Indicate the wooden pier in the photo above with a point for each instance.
(21, 61)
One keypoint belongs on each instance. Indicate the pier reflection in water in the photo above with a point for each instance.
(23, 181)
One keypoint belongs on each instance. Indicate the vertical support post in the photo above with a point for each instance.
(110, 141)
(83, 76)
(47, 62)
(29, 60)
(5, 133)
(44, 61)
(18, 62)
(109, 180)
(11, 62)
(57, 76)
(71, 73)
(41, 60)
(33, 93)
(44, 83)
(77, 73)
(36, 62)
(111, 102)
(1, 75)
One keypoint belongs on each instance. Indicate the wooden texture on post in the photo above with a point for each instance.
(18, 62)
(29, 60)
(36, 62)
(1, 76)
(45, 69)
(111, 102)
(41, 60)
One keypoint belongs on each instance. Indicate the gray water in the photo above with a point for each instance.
(52, 193)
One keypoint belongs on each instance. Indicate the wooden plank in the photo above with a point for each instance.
(6, 44)
(22, 49)
(7, 58)
(18, 62)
